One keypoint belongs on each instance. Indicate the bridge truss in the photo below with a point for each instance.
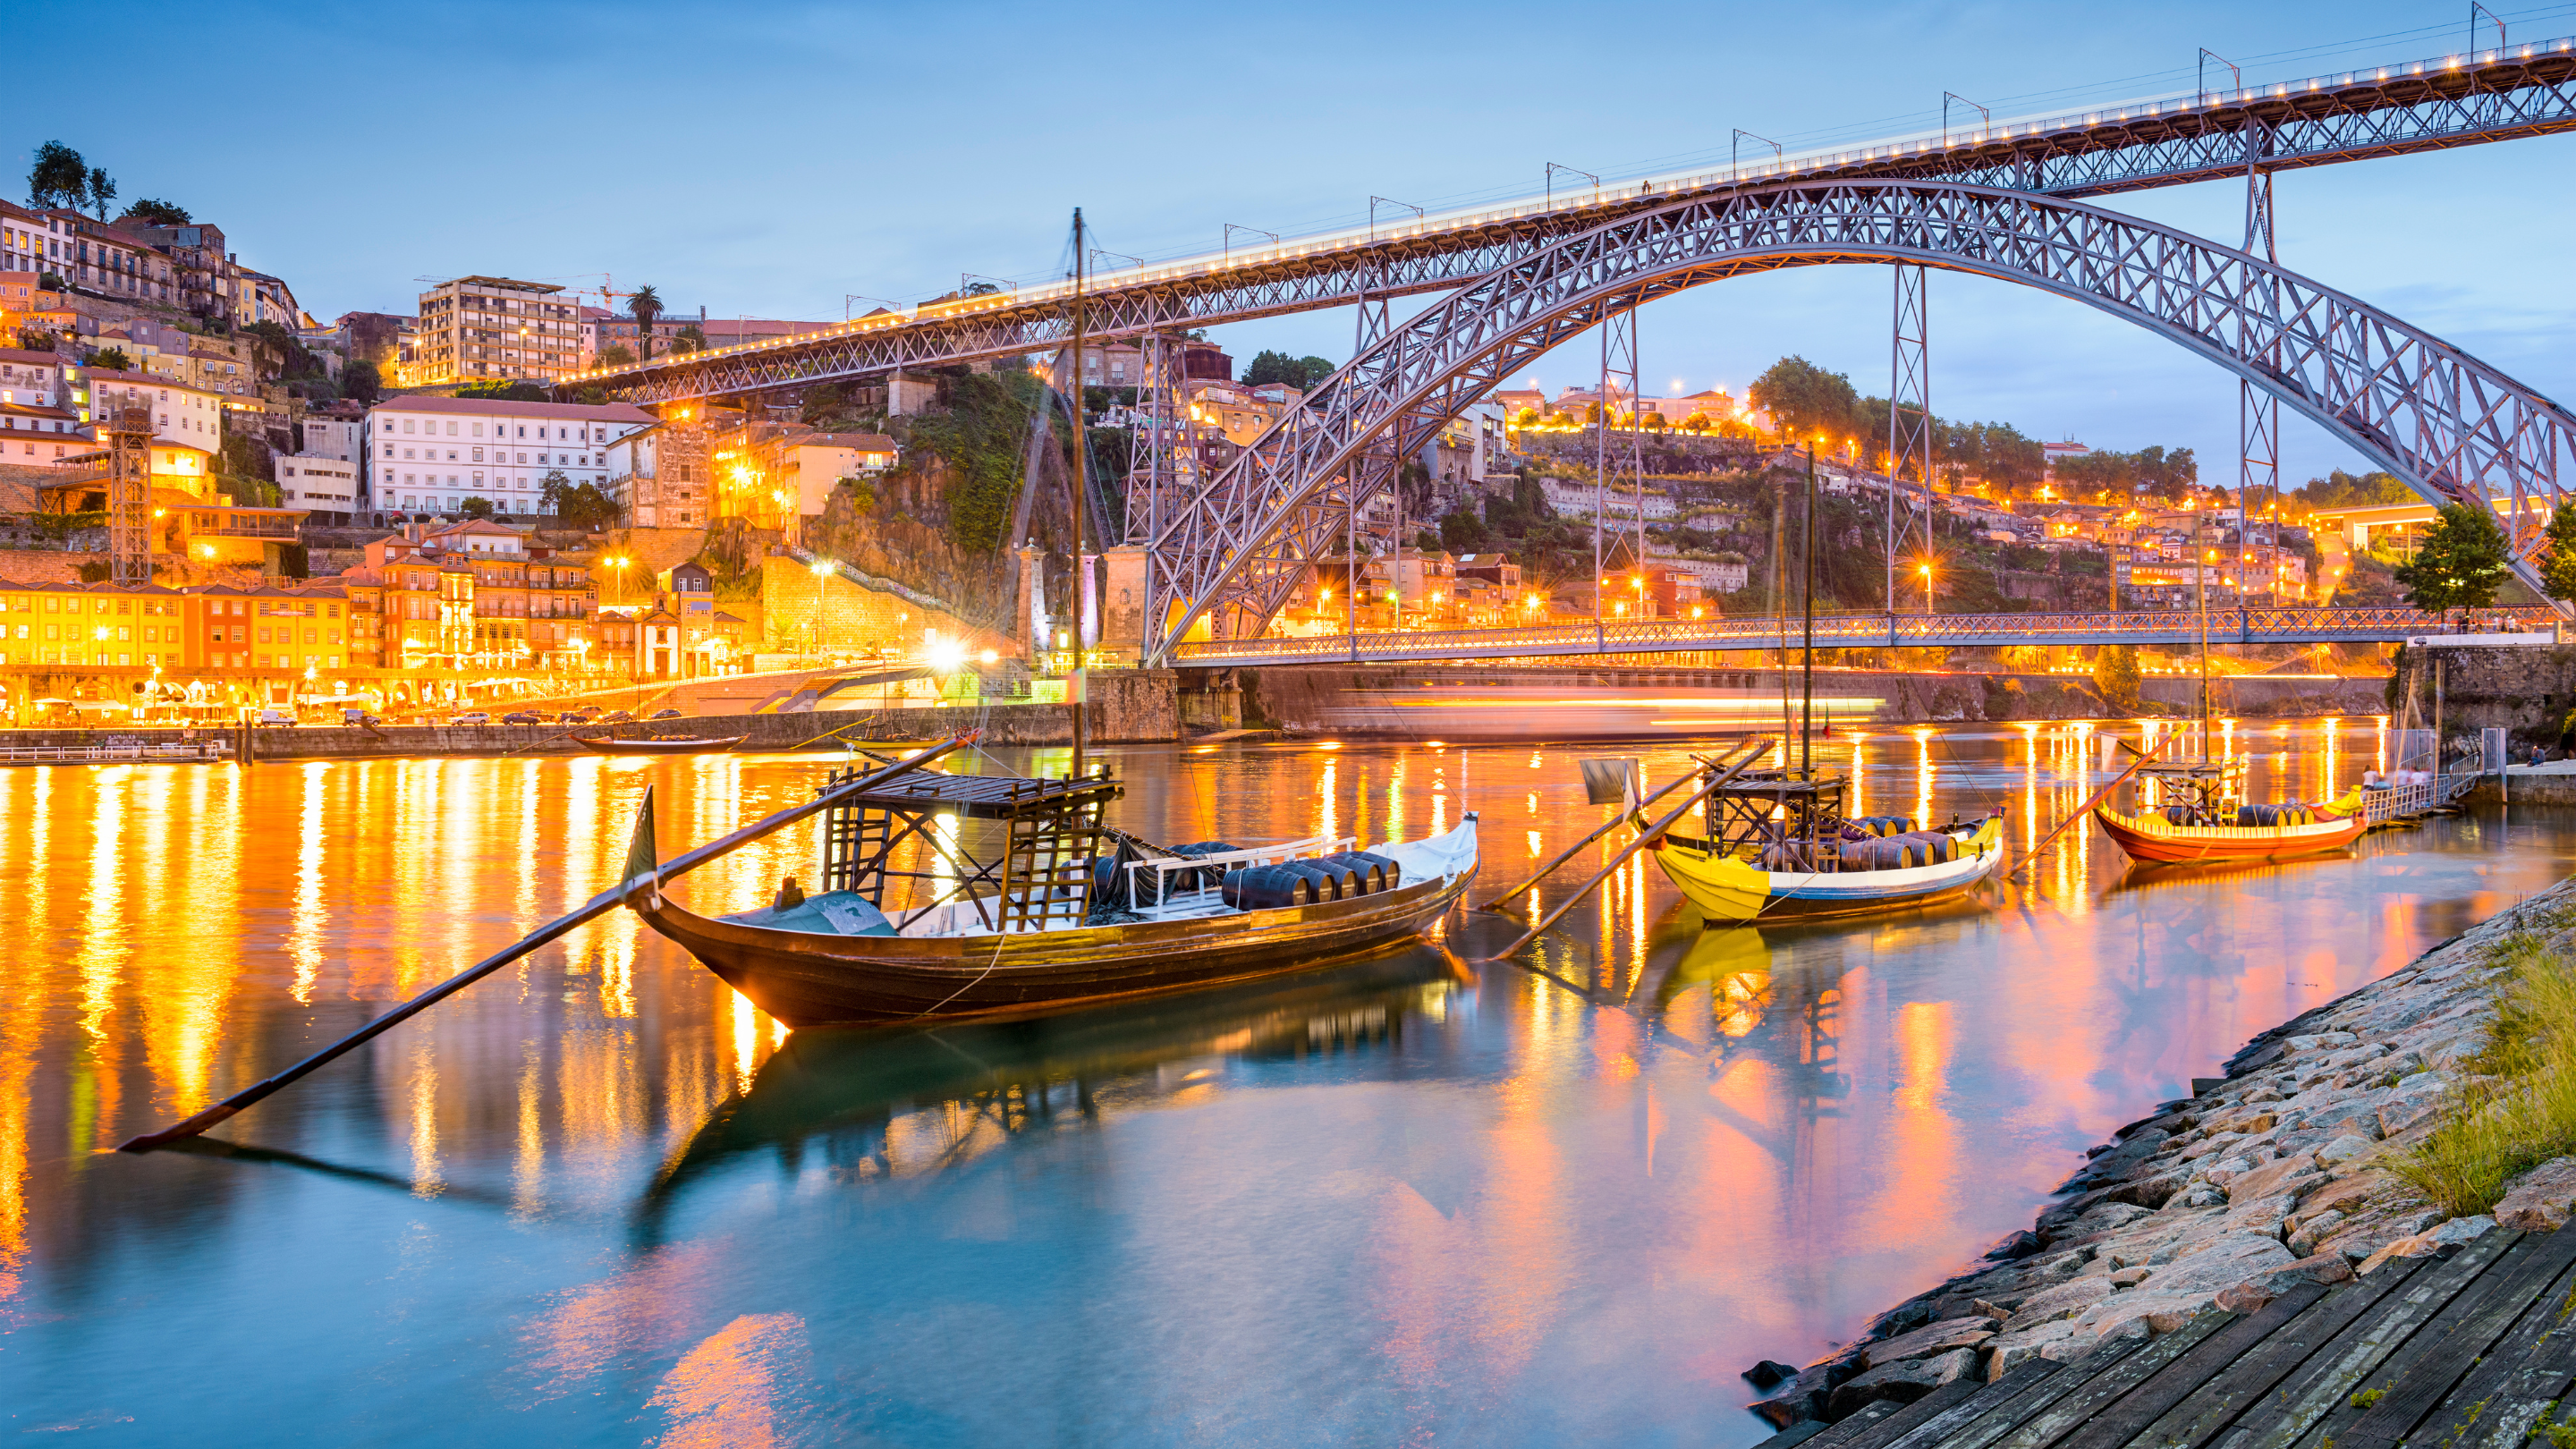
(2434, 104)
(2452, 427)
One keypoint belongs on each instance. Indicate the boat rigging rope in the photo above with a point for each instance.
(999, 938)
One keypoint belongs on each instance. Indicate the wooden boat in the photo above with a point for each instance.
(660, 744)
(1011, 928)
(2215, 827)
(1731, 884)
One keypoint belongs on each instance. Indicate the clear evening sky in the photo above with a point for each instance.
(771, 160)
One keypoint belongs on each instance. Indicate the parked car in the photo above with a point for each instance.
(473, 717)
(614, 716)
(584, 715)
(523, 716)
(360, 717)
(276, 717)
(665, 714)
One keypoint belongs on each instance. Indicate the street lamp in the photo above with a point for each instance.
(1926, 571)
(822, 574)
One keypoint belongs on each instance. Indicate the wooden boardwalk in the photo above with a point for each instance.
(2467, 1351)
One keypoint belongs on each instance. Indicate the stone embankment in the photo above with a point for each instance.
(2274, 1175)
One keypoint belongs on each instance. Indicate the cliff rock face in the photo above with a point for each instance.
(898, 527)
(2528, 690)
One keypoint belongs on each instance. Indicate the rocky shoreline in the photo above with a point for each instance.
(2273, 1174)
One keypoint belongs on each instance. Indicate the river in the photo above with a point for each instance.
(600, 1200)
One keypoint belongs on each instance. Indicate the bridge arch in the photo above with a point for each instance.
(2454, 428)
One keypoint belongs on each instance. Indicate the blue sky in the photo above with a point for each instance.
(772, 161)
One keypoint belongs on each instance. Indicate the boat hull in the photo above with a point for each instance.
(1730, 891)
(2153, 840)
(661, 746)
(806, 979)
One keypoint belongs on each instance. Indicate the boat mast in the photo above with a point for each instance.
(2200, 576)
(1807, 665)
(1073, 691)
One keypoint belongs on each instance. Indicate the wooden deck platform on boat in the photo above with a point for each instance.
(2468, 1351)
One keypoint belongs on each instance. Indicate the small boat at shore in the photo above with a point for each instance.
(1780, 850)
(1017, 910)
(660, 744)
(2197, 816)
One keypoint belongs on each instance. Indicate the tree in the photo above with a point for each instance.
(1804, 399)
(59, 177)
(102, 190)
(156, 213)
(360, 380)
(616, 354)
(1462, 532)
(2558, 566)
(505, 391)
(51, 282)
(689, 339)
(2340, 489)
(644, 306)
(35, 338)
(1301, 373)
(2115, 673)
(476, 507)
(111, 358)
(576, 505)
(2460, 564)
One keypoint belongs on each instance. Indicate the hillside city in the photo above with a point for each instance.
(422, 510)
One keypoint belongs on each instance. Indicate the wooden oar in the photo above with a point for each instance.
(2081, 811)
(1645, 837)
(598, 905)
(1613, 823)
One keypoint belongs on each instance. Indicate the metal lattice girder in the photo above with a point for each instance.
(129, 494)
(2527, 90)
(1850, 631)
(2450, 426)
(1909, 415)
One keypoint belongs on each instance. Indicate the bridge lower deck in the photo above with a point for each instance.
(2469, 1351)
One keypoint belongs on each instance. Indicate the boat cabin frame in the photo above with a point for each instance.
(2210, 787)
(1033, 874)
(1775, 807)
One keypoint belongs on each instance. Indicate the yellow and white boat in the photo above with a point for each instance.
(1731, 883)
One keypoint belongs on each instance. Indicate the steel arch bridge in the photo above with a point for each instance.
(2455, 429)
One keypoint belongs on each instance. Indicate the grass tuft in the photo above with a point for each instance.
(2523, 1112)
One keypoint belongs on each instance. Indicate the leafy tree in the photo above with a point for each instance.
(2115, 673)
(689, 339)
(1462, 532)
(576, 505)
(102, 190)
(2558, 566)
(52, 282)
(644, 306)
(59, 177)
(360, 380)
(1301, 373)
(111, 358)
(476, 507)
(1804, 399)
(157, 213)
(505, 391)
(616, 354)
(2340, 489)
(2460, 564)
(36, 339)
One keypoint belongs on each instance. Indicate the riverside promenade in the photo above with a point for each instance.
(2244, 1269)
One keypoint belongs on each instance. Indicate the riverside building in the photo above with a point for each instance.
(476, 329)
(430, 454)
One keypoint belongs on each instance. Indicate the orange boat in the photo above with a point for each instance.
(2200, 819)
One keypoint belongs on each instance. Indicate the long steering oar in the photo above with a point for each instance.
(1644, 838)
(1613, 823)
(598, 905)
(2032, 856)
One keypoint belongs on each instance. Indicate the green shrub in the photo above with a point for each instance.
(2521, 1110)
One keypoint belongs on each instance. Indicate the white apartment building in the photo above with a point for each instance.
(323, 485)
(184, 416)
(430, 454)
(344, 439)
(478, 328)
(35, 427)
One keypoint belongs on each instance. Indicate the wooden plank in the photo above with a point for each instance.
(1939, 1429)
(2367, 1355)
(2118, 1423)
(1796, 1434)
(1930, 1406)
(2038, 1393)
(2284, 1414)
(1846, 1430)
(2543, 1377)
(2539, 1288)
(2206, 1414)
(2420, 1372)
(2098, 1390)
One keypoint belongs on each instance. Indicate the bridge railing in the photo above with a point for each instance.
(1848, 631)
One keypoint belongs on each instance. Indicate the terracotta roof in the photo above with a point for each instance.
(20, 354)
(147, 379)
(864, 442)
(487, 407)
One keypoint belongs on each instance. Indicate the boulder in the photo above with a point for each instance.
(2404, 1109)
(2355, 1112)
(2541, 1200)
(2321, 1041)
(1902, 1382)
(2129, 1277)
(2308, 1230)
(1768, 1372)
(2063, 1301)
(2018, 1244)
(2430, 1241)
(2009, 1351)
(2343, 1149)
(2324, 1269)
(2140, 1310)
(1925, 1342)
(2289, 1175)
(2226, 1261)
(2262, 1215)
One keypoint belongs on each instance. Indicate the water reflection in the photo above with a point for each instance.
(1401, 1199)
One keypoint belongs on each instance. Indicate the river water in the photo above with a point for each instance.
(601, 1200)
